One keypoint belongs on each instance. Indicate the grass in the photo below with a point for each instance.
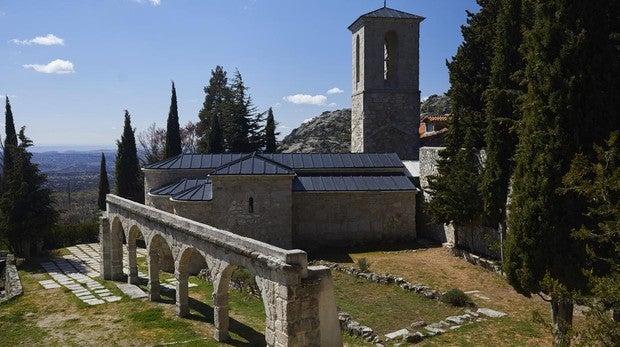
(56, 317)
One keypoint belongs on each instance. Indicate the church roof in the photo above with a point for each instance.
(179, 186)
(339, 183)
(386, 12)
(253, 164)
(203, 192)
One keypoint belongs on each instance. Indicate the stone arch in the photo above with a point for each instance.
(132, 246)
(390, 58)
(189, 261)
(158, 251)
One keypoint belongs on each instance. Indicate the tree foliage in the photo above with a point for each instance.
(104, 184)
(270, 133)
(10, 140)
(152, 144)
(172, 145)
(128, 175)
(27, 211)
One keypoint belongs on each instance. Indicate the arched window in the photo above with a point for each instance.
(357, 59)
(251, 205)
(390, 56)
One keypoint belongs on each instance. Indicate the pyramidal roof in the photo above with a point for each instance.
(253, 164)
(386, 12)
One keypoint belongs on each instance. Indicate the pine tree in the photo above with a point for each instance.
(236, 123)
(128, 176)
(104, 185)
(454, 191)
(270, 133)
(571, 69)
(256, 138)
(10, 140)
(217, 103)
(502, 113)
(173, 134)
(28, 213)
(215, 137)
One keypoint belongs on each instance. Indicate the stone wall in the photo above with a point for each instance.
(12, 284)
(348, 218)
(269, 220)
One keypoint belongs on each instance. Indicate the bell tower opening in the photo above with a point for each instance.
(390, 57)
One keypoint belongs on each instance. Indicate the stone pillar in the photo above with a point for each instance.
(133, 263)
(220, 314)
(153, 286)
(182, 305)
(116, 254)
(104, 248)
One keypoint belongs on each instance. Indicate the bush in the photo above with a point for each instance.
(64, 235)
(363, 264)
(456, 297)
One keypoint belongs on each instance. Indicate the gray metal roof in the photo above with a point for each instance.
(295, 161)
(178, 187)
(386, 12)
(253, 164)
(203, 192)
(352, 183)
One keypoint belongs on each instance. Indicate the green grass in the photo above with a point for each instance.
(18, 325)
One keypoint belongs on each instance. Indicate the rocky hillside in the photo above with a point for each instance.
(330, 132)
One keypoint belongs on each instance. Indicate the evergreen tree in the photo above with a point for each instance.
(104, 185)
(256, 138)
(571, 69)
(216, 104)
(270, 133)
(28, 213)
(502, 113)
(172, 145)
(128, 175)
(10, 140)
(215, 137)
(454, 191)
(598, 181)
(236, 123)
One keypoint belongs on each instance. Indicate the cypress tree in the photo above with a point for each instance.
(270, 133)
(172, 145)
(128, 176)
(571, 69)
(104, 185)
(502, 113)
(217, 103)
(28, 213)
(454, 191)
(10, 140)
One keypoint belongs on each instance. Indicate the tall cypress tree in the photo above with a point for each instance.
(128, 176)
(172, 145)
(28, 213)
(217, 103)
(502, 112)
(454, 191)
(10, 140)
(104, 184)
(571, 69)
(270, 133)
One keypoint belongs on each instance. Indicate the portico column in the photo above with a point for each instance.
(104, 248)
(220, 314)
(133, 263)
(153, 285)
(182, 305)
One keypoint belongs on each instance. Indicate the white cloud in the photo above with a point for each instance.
(57, 66)
(306, 120)
(335, 90)
(48, 40)
(152, 2)
(333, 104)
(305, 99)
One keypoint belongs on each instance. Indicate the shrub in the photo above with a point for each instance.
(64, 235)
(456, 297)
(363, 264)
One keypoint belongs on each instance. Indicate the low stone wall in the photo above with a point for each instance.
(474, 259)
(12, 284)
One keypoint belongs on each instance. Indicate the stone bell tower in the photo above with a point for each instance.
(385, 113)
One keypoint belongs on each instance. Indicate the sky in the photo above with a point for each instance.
(71, 67)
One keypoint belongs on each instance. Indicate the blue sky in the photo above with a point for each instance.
(70, 68)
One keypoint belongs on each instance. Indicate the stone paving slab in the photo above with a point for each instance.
(132, 291)
(49, 284)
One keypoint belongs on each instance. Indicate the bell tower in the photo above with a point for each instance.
(385, 110)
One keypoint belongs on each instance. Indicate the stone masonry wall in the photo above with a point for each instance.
(270, 220)
(350, 218)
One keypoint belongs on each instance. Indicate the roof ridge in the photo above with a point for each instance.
(251, 156)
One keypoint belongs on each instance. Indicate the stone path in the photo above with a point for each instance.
(78, 271)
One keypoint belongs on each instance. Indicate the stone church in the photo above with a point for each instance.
(315, 200)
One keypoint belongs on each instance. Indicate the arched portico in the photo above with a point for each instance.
(298, 308)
